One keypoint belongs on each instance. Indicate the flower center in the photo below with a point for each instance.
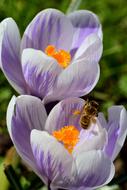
(63, 57)
(69, 136)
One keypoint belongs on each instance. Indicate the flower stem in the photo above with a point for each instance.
(74, 5)
(12, 177)
(49, 186)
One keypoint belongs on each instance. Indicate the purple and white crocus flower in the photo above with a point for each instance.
(59, 151)
(57, 56)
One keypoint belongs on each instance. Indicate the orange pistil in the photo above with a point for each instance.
(68, 135)
(63, 57)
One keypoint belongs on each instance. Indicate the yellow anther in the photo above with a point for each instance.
(68, 135)
(63, 57)
(76, 112)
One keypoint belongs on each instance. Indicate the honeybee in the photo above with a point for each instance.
(89, 113)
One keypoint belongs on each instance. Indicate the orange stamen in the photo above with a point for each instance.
(76, 112)
(68, 135)
(63, 57)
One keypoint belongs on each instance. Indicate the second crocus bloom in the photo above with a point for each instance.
(57, 56)
(60, 152)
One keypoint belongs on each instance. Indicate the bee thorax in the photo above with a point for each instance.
(89, 114)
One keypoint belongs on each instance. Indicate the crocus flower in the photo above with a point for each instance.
(57, 56)
(59, 151)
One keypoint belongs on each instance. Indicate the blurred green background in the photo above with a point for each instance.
(112, 86)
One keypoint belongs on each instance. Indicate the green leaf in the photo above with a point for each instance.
(123, 85)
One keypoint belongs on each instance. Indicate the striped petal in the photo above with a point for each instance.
(94, 169)
(117, 130)
(40, 72)
(94, 138)
(91, 49)
(49, 27)
(54, 168)
(76, 80)
(63, 114)
(85, 23)
(24, 114)
(10, 55)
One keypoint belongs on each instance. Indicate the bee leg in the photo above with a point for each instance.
(94, 120)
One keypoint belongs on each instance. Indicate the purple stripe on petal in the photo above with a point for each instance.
(85, 33)
(112, 139)
(52, 166)
(49, 27)
(95, 138)
(68, 110)
(10, 55)
(44, 163)
(40, 72)
(40, 38)
(22, 136)
(40, 163)
(91, 49)
(85, 23)
(36, 82)
(24, 114)
(94, 169)
(73, 51)
(58, 31)
(49, 171)
(63, 114)
(78, 79)
(117, 130)
(40, 84)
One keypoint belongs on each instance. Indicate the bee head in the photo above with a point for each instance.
(94, 104)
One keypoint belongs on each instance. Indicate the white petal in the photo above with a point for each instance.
(49, 27)
(53, 160)
(10, 54)
(24, 114)
(63, 114)
(94, 169)
(40, 72)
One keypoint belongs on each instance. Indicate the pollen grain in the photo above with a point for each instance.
(63, 57)
(68, 135)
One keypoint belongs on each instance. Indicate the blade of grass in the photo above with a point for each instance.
(3, 180)
(74, 5)
(10, 158)
(12, 177)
